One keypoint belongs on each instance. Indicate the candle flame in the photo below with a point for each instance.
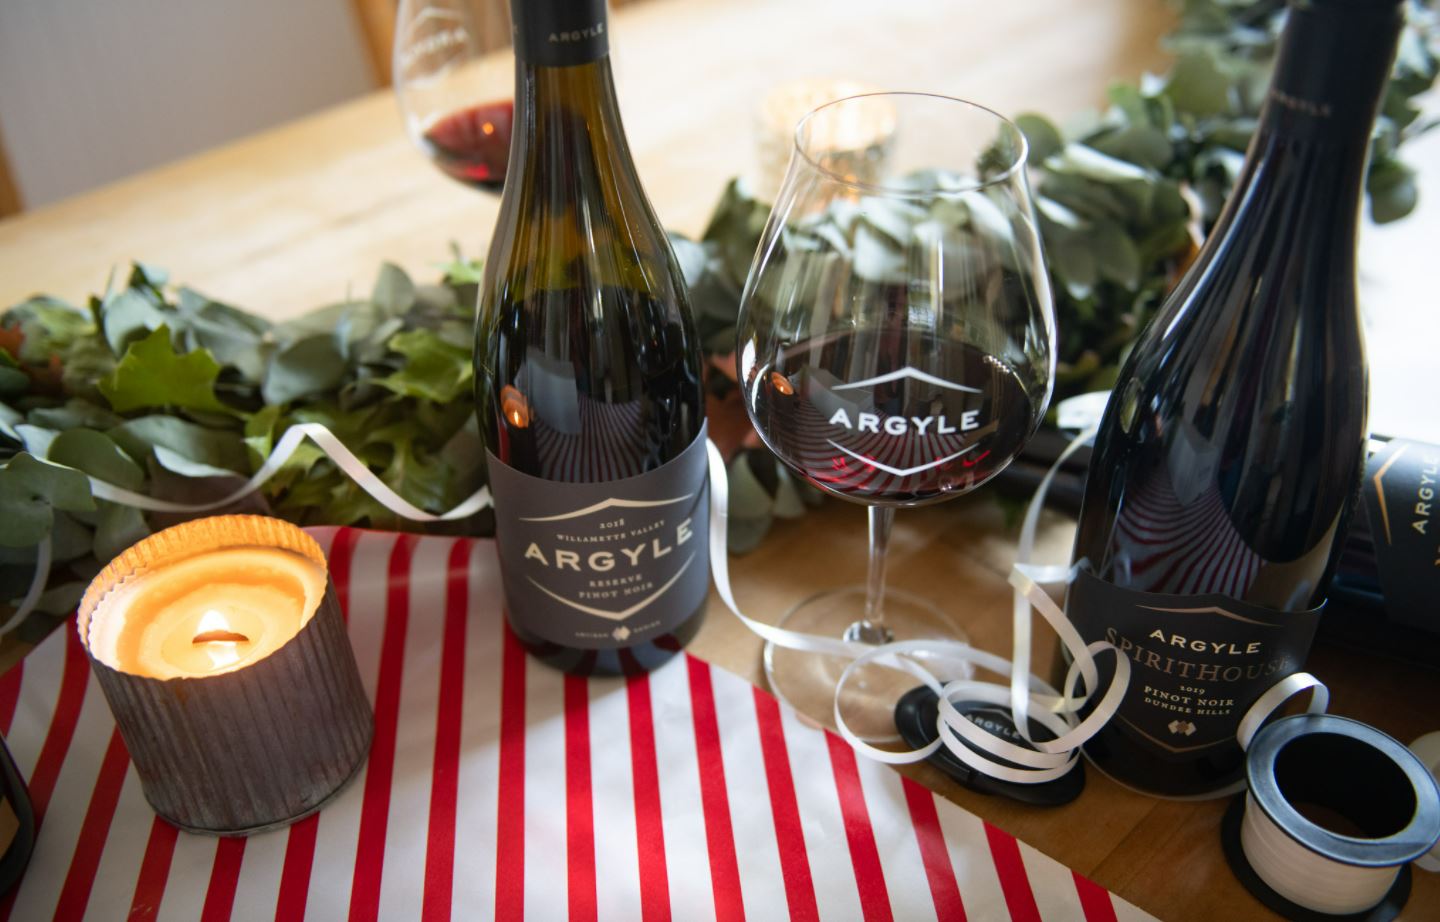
(221, 643)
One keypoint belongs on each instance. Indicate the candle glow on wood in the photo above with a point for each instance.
(208, 614)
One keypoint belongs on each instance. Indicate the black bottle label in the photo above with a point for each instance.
(560, 33)
(1197, 662)
(1402, 496)
(608, 564)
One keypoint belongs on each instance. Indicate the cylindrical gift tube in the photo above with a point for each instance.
(247, 750)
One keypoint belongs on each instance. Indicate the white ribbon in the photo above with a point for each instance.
(1025, 693)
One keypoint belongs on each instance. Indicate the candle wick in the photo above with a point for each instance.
(219, 637)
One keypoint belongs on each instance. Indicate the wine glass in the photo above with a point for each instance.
(455, 85)
(896, 348)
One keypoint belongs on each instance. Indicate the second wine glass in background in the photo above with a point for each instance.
(454, 80)
(896, 348)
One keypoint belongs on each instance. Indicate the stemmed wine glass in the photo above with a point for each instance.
(896, 348)
(455, 85)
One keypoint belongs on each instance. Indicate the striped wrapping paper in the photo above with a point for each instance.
(500, 788)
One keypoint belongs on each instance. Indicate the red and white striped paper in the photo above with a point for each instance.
(498, 788)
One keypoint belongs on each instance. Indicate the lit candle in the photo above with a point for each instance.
(853, 148)
(222, 652)
(208, 614)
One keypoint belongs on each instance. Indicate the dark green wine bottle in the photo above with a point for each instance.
(588, 373)
(1230, 454)
(17, 822)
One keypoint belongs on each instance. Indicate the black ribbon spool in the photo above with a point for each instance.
(915, 717)
(1347, 768)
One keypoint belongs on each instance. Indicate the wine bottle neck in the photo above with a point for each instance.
(563, 85)
(1332, 65)
(560, 33)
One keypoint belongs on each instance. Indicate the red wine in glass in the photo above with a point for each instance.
(472, 145)
(927, 418)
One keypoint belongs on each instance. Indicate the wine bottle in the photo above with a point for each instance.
(17, 822)
(588, 373)
(1229, 455)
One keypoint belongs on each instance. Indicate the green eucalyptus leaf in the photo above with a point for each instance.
(148, 275)
(72, 414)
(13, 381)
(177, 463)
(1041, 134)
(9, 418)
(877, 258)
(1089, 163)
(744, 535)
(1116, 256)
(1075, 264)
(98, 455)
(58, 601)
(117, 528)
(88, 362)
(1393, 193)
(37, 439)
(1059, 215)
(748, 497)
(30, 491)
(307, 367)
(234, 337)
(129, 316)
(394, 292)
(788, 502)
(219, 448)
(1197, 86)
(1138, 144)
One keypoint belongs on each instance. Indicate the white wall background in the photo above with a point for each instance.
(93, 90)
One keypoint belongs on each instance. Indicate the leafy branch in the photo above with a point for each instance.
(180, 397)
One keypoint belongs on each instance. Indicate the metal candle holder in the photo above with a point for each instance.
(249, 750)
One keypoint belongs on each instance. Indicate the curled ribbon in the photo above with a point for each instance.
(1025, 693)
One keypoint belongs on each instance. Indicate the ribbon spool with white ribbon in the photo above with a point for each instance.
(1334, 813)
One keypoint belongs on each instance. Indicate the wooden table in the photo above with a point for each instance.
(304, 213)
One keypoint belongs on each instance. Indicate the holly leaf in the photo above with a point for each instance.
(434, 368)
(153, 374)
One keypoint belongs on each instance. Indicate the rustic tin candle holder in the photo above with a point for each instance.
(253, 748)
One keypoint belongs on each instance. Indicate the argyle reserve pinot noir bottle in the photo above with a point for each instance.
(588, 373)
(1230, 453)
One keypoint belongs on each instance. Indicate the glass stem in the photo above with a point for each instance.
(872, 629)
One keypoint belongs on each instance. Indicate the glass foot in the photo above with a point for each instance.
(806, 681)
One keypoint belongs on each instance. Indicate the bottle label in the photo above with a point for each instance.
(608, 564)
(1197, 662)
(1402, 500)
(560, 33)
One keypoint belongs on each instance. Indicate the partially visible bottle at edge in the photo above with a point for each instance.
(17, 822)
(1229, 456)
(588, 373)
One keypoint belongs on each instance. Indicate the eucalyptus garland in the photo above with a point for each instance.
(165, 391)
